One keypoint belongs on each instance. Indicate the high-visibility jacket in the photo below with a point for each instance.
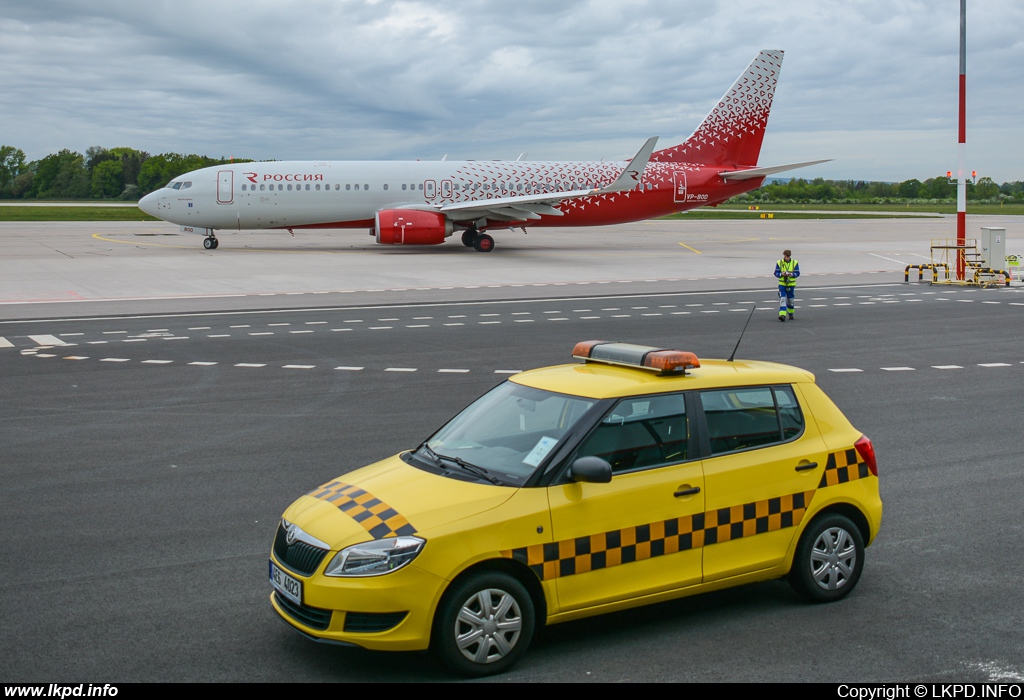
(792, 267)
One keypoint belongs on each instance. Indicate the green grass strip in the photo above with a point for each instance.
(83, 213)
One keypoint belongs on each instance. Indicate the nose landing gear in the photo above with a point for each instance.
(211, 242)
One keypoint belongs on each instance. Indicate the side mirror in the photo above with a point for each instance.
(591, 470)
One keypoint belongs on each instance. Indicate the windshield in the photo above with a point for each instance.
(509, 430)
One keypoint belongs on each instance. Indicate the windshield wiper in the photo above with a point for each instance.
(471, 468)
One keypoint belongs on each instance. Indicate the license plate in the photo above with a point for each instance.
(289, 587)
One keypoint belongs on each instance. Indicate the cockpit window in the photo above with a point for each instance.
(175, 185)
(186, 185)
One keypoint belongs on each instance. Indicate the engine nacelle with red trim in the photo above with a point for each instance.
(411, 227)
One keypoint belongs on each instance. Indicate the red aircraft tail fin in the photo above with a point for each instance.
(731, 134)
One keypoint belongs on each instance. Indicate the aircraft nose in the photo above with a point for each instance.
(149, 202)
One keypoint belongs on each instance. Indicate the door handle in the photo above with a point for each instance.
(687, 492)
(805, 467)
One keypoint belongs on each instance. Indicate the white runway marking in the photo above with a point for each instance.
(452, 371)
(400, 369)
(298, 367)
(350, 369)
(249, 364)
(203, 364)
(5, 343)
(947, 367)
(994, 364)
(157, 362)
(897, 369)
(115, 359)
(846, 369)
(47, 340)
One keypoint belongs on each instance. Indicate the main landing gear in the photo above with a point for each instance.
(211, 242)
(481, 242)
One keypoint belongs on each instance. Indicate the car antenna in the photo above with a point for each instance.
(752, 310)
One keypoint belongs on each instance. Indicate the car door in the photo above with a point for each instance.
(764, 464)
(635, 535)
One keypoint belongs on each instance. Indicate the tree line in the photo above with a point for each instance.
(102, 173)
(128, 174)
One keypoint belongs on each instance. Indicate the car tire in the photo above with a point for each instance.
(484, 624)
(828, 560)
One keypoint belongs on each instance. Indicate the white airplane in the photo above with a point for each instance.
(425, 202)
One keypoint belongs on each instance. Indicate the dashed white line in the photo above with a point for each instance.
(75, 357)
(400, 369)
(947, 367)
(263, 333)
(846, 369)
(157, 362)
(298, 366)
(115, 359)
(203, 364)
(452, 371)
(220, 335)
(271, 325)
(298, 332)
(350, 369)
(250, 364)
(897, 369)
(507, 371)
(994, 364)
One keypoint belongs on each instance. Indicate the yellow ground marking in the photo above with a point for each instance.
(693, 249)
(100, 237)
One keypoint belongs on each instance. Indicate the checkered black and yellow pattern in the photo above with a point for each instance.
(843, 467)
(640, 542)
(379, 519)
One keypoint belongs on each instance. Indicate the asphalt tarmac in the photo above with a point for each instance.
(162, 404)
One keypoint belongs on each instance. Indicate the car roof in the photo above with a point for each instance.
(602, 381)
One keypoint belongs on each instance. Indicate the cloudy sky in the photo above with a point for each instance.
(870, 83)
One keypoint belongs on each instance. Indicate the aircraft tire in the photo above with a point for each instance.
(483, 243)
(209, 243)
(469, 237)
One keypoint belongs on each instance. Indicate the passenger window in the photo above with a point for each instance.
(289, 188)
(261, 188)
(348, 187)
(243, 188)
(307, 188)
(790, 415)
(640, 433)
(366, 187)
(747, 417)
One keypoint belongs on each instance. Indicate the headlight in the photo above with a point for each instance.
(376, 557)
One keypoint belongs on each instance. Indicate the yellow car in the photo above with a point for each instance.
(635, 476)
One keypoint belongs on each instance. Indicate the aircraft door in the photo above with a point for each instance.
(679, 189)
(430, 189)
(446, 188)
(225, 187)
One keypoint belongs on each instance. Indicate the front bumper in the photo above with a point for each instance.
(392, 612)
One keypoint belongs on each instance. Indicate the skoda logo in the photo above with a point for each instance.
(291, 534)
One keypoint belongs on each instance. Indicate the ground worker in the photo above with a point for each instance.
(787, 270)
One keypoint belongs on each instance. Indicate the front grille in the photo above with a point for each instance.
(372, 622)
(300, 557)
(311, 617)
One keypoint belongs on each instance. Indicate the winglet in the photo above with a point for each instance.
(630, 177)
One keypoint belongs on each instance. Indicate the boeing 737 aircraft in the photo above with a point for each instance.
(424, 203)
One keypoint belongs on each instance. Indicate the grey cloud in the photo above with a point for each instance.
(576, 79)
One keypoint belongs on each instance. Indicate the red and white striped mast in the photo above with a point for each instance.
(961, 170)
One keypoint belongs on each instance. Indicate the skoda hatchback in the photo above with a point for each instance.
(635, 476)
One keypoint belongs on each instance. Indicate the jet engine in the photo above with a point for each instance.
(411, 227)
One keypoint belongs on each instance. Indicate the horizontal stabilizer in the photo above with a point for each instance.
(751, 173)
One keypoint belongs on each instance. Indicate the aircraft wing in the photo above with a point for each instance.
(761, 172)
(532, 207)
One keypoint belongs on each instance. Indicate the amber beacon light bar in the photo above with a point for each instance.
(628, 355)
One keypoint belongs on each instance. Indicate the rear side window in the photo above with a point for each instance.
(747, 417)
(640, 433)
